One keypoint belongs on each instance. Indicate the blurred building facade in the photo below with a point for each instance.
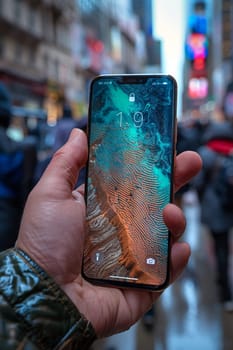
(50, 49)
(107, 38)
(222, 48)
(35, 60)
(209, 52)
(198, 45)
(152, 52)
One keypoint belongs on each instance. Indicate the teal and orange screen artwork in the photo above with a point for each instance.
(130, 167)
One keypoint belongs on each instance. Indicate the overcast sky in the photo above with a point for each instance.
(170, 26)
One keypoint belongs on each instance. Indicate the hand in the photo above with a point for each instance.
(53, 229)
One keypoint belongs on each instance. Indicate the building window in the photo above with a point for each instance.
(32, 57)
(18, 52)
(17, 10)
(32, 19)
(2, 46)
(56, 69)
(45, 63)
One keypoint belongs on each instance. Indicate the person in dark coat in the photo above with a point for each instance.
(189, 138)
(217, 144)
(61, 134)
(17, 165)
(64, 126)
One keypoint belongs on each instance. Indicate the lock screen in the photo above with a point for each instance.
(131, 149)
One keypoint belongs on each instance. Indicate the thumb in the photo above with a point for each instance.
(62, 171)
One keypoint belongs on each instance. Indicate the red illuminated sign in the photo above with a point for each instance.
(198, 88)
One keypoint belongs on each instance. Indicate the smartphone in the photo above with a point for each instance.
(131, 133)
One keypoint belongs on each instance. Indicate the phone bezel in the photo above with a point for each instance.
(136, 79)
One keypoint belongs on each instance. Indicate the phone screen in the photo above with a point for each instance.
(129, 179)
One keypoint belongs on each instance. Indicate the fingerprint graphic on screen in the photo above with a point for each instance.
(128, 184)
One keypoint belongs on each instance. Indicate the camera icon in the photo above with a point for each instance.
(150, 261)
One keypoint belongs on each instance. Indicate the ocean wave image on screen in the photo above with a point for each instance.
(127, 190)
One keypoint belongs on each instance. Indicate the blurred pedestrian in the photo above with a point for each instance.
(60, 135)
(62, 131)
(189, 137)
(63, 127)
(17, 164)
(216, 151)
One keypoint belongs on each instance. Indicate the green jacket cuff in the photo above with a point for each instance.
(45, 314)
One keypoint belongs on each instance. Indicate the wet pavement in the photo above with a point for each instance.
(188, 316)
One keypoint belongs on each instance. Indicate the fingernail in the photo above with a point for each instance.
(74, 134)
(77, 196)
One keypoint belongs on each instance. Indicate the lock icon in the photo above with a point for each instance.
(132, 97)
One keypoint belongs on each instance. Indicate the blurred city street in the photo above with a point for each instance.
(188, 315)
(50, 53)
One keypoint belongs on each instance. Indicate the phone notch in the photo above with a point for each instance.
(132, 79)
